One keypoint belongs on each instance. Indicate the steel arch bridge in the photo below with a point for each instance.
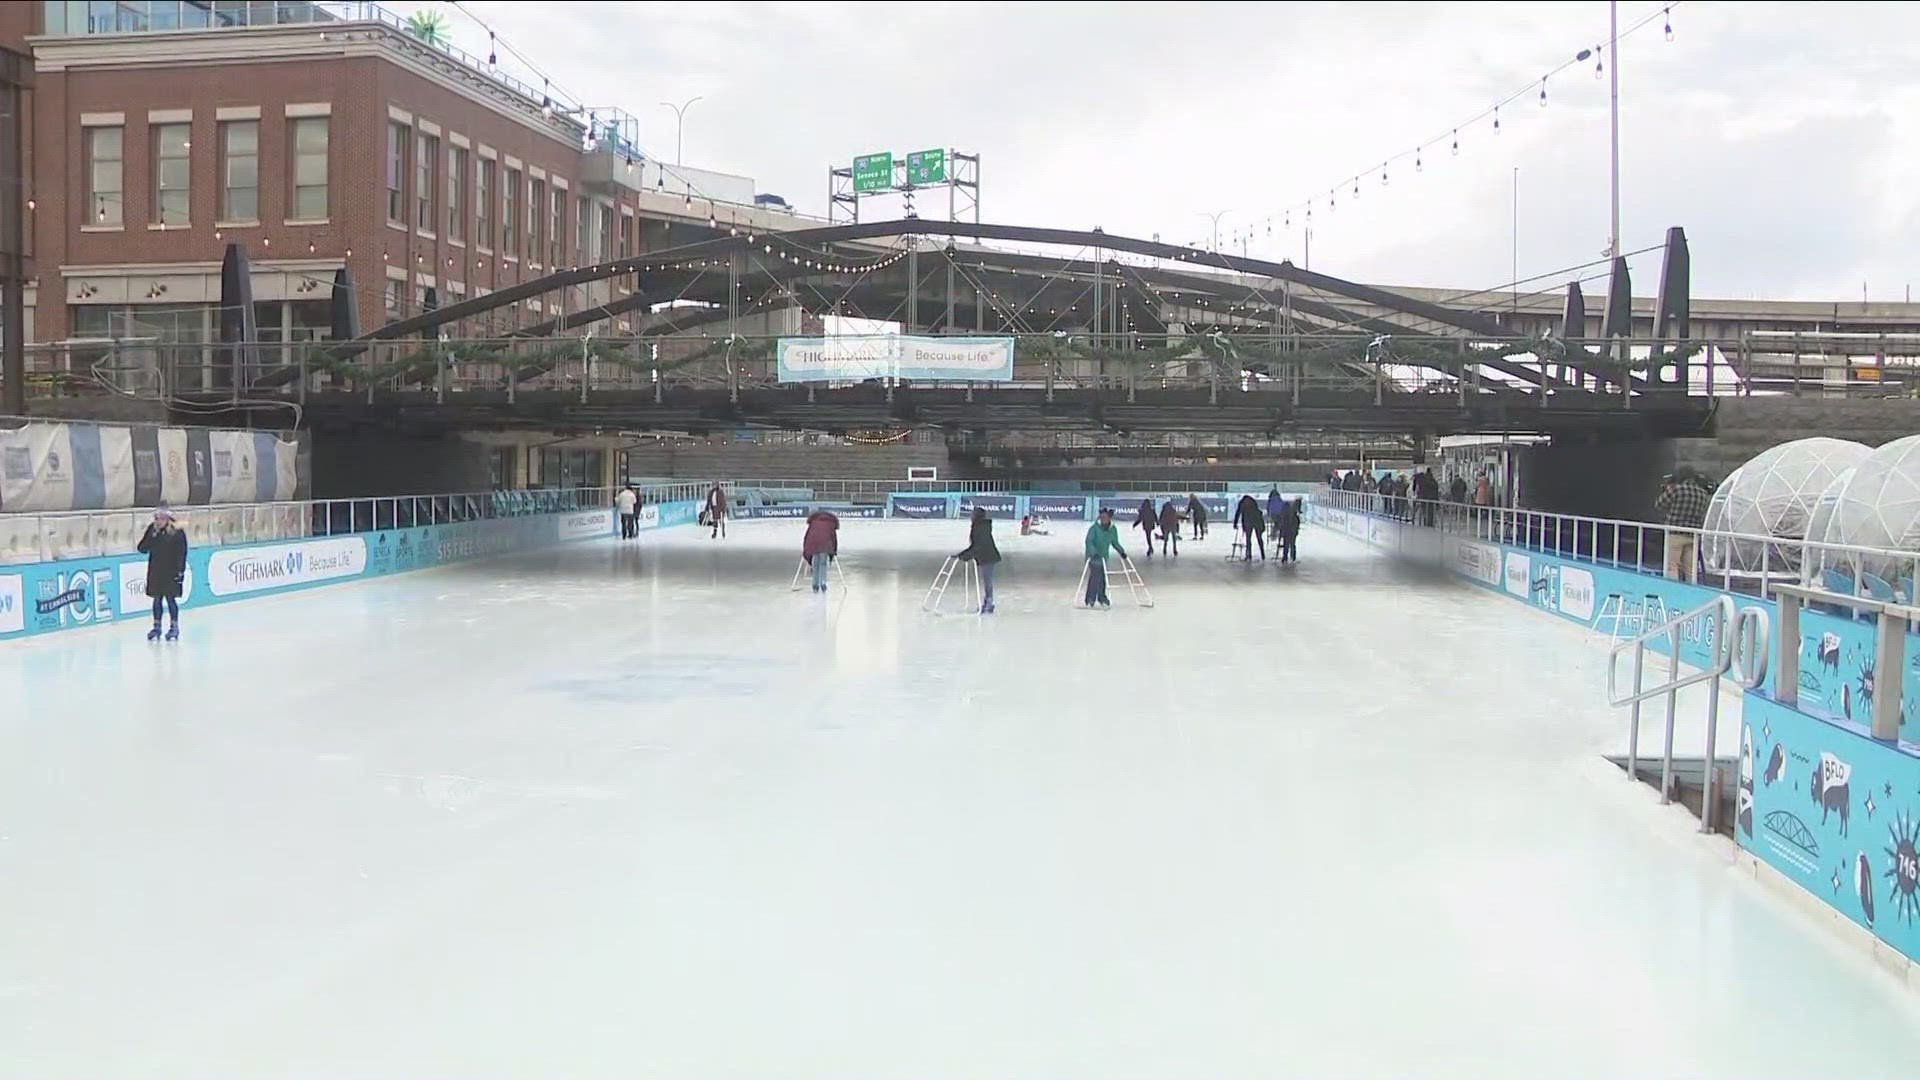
(1274, 346)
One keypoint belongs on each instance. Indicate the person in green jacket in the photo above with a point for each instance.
(1101, 536)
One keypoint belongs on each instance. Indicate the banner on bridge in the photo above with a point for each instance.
(892, 356)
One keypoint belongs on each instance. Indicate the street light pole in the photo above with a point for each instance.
(1613, 48)
(679, 123)
(1216, 225)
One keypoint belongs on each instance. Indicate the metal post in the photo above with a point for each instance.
(913, 286)
(1633, 722)
(1712, 771)
(1673, 707)
(13, 271)
(1613, 54)
(1889, 660)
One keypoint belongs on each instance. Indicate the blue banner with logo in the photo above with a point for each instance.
(1002, 507)
(1070, 507)
(919, 506)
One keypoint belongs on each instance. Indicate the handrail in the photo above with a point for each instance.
(1582, 537)
(1721, 663)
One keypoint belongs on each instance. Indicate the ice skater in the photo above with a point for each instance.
(1197, 515)
(165, 546)
(1146, 519)
(717, 511)
(820, 546)
(1169, 529)
(628, 503)
(983, 554)
(1101, 537)
(1252, 525)
(1287, 529)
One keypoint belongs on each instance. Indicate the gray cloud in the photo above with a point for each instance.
(1776, 134)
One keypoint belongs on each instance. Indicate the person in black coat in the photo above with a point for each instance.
(165, 546)
(982, 553)
(1287, 526)
(1248, 518)
(1146, 520)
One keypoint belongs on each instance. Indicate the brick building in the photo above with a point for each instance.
(162, 130)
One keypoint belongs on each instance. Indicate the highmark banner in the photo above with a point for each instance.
(893, 356)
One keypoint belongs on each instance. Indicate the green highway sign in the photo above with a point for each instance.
(873, 172)
(926, 167)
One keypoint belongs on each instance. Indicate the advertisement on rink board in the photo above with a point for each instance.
(587, 524)
(1002, 507)
(1062, 507)
(47, 597)
(917, 506)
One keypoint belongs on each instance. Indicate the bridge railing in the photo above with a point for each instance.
(1708, 556)
(1354, 368)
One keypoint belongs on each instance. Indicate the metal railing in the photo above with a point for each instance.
(46, 537)
(1646, 547)
(479, 357)
(1890, 654)
(1714, 619)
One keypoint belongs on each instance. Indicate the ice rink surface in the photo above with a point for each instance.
(637, 810)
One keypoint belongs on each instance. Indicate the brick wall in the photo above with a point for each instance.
(359, 89)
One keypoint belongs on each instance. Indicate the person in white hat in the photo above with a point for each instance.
(165, 546)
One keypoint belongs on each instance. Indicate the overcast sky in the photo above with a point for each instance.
(1771, 132)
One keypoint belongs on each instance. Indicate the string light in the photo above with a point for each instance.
(1536, 87)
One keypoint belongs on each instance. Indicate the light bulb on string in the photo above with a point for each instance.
(1599, 63)
(1496, 119)
(1417, 164)
(1543, 91)
(1666, 15)
(492, 57)
(1383, 174)
(1456, 141)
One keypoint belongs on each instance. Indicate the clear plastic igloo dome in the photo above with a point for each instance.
(1774, 495)
(1878, 507)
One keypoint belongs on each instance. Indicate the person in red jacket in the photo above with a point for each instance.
(820, 545)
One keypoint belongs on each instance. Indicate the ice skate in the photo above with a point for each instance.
(154, 634)
(173, 632)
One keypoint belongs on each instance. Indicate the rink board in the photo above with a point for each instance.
(44, 598)
(1009, 506)
(1836, 654)
(1852, 845)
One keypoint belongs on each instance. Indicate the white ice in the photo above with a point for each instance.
(625, 810)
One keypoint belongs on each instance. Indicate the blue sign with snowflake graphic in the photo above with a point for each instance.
(1837, 812)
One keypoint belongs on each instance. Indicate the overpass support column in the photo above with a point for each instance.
(913, 286)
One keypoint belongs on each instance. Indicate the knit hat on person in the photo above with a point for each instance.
(162, 513)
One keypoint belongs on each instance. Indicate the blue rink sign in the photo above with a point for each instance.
(855, 358)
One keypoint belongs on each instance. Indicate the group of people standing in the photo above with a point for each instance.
(1282, 516)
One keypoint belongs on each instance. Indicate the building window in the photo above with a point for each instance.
(605, 251)
(456, 193)
(509, 220)
(397, 139)
(172, 173)
(626, 235)
(483, 205)
(426, 154)
(104, 177)
(309, 141)
(583, 231)
(240, 170)
(393, 300)
(536, 214)
(557, 229)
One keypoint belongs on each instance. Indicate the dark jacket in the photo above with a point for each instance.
(1169, 518)
(1247, 516)
(1288, 519)
(1144, 518)
(1196, 510)
(823, 535)
(980, 545)
(166, 554)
